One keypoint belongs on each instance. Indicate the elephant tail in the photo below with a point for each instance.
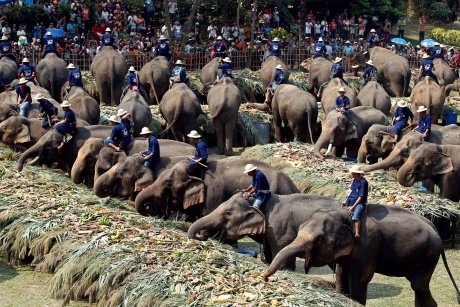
(443, 255)
(309, 116)
(448, 89)
(152, 87)
(173, 122)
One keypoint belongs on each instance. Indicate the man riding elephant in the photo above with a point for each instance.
(373, 38)
(48, 111)
(437, 52)
(120, 137)
(6, 49)
(162, 48)
(27, 71)
(275, 47)
(219, 48)
(336, 72)
(50, 44)
(23, 96)
(259, 190)
(279, 78)
(68, 124)
(370, 73)
(225, 66)
(320, 49)
(74, 76)
(133, 79)
(427, 68)
(400, 119)
(107, 39)
(179, 74)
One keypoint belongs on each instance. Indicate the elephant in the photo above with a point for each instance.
(175, 190)
(134, 103)
(411, 249)
(393, 69)
(154, 77)
(330, 92)
(267, 71)
(180, 108)
(208, 74)
(374, 95)
(275, 227)
(94, 159)
(447, 135)
(224, 100)
(84, 106)
(345, 131)
(429, 94)
(440, 163)
(8, 69)
(109, 68)
(443, 72)
(319, 73)
(46, 152)
(52, 74)
(298, 111)
(128, 177)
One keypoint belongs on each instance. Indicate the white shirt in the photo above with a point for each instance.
(317, 28)
(308, 26)
(212, 31)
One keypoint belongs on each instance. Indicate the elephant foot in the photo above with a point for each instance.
(229, 153)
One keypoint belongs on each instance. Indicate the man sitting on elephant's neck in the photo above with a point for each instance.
(226, 68)
(179, 74)
(47, 111)
(370, 73)
(120, 137)
(424, 123)
(68, 125)
(373, 38)
(279, 78)
(74, 76)
(197, 166)
(259, 190)
(152, 154)
(357, 199)
(342, 102)
(320, 49)
(427, 68)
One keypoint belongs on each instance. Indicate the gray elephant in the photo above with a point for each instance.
(345, 131)
(109, 68)
(180, 108)
(319, 73)
(374, 95)
(208, 74)
(393, 69)
(175, 190)
(154, 77)
(46, 152)
(224, 100)
(267, 71)
(447, 135)
(440, 163)
(18, 130)
(411, 249)
(330, 92)
(52, 74)
(128, 177)
(443, 72)
(8, 70)
(297, 110)
(134, 103)
(84, 106)
(429, 94)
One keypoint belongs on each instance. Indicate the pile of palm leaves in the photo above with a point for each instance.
(102, 251)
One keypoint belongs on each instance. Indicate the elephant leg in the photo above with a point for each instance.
(229, 128)
(177, 134)
(220, 136)
(103, 93)
(420, 283)
(299, 129)
(116, 94)
(278, 127)
(359, 278)
(342, 281)
(352, 149)
(339, 150)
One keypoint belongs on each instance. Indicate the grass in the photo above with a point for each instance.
(411, 31)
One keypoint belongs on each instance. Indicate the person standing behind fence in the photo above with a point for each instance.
(421, 28)
(401, 26)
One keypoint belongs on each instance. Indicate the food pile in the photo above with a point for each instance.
(100, 250)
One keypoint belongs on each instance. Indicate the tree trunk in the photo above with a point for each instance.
(189, 23)
(253, 25)
(168, 24)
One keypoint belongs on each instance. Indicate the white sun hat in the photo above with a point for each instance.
(425, 56)
(227, 59)
(219, 38)
(132, 68)
(179, 62)
(278, 66)
(249, 168)
(370, 63)
(4, 38)
(342, 90)
(22, 81)
(194, 135)
(65, 104)
(276, 39)
(437, 43)
(48, 33)
(108, 30)
(162, 37)
(320, 39)
(25, 60)
(145, 130)
(356, 169)
(121, 112)
(39, 96)
(421, 109)
(114, 119)
(372, 31)
(402, 103)
(337, 59)
(71, 66)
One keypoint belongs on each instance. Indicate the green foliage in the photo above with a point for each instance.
(439, 11)
(28, 15)
(450, 37)
(394, 8)
(281, 33)
(135, 5)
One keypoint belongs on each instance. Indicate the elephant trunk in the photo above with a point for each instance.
(205, 223)
(394, 159)
(148, 201)
(33, 151)
(406, 174)
(103, 186)
(322, 142)
(362, 152)
(295, 249)
(78, 168)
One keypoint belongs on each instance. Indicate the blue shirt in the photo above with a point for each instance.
(27, 71)
(427, 66)
(402, 115)
(226, 70)
(50, 43)
(127, 124)
(5, 48)
(162, 48)
(107, 39)
(342, 102)
(120, 134)
(437, 53)
(132, 79)
(154, 147)
(181, 72)
(336, 71)
(424, 123)
(46, 107)
(74, 77)
(201, 151)
(369, 72)
(23, 92)
(220, 48)
(359, 188)
(71, 118)
(320, 49)
(373, 40)
(260, 183)
(279, 76)
(275, 49)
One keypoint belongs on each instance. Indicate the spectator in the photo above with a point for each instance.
(401, 26)
(172, 8)
(276, 18)
(421, 28)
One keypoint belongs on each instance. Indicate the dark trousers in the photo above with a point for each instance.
(196, 170)
(421, 36)
(401, 33)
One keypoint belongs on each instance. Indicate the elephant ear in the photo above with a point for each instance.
(144, 180)
(23, 135)
(195, 192)
(352, 131)
(388, 142)
(253, 223)
(344, 242)
(443, 164)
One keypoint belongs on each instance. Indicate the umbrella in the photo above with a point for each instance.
(399, 41)
(427, 43)
(56, 33)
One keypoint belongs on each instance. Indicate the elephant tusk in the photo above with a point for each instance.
(33, 160)
(329, 149)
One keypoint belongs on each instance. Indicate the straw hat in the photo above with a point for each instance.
(25, 60)
(436, 43)
(356, 169)
(108, 30)
(347, 42)
(48, 33)
(65, 104)
(320, 39)
(22, 81)
(276, 39)
(337, 59)
(179, 62)
(219, 38)
(342, 90)
(227, 59)
(162, 37)
(402, 103)
(425, 56)
(114, 119)
(421, 109)
(39, 96)
(249, 168)
(71, 66)
(132, 68)
(4, 38)
(278, 66)
(370, 63)
(194, 135)
(372, 31)
(121, 112)
(145, 130)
